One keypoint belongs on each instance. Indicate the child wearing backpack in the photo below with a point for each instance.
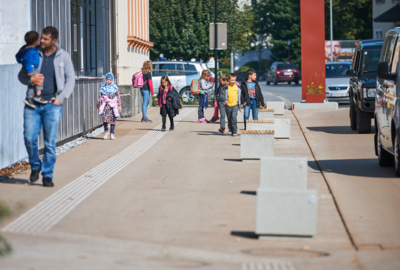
(231, 96)
(168, 101)
(109, 105)
(223, 80)
(203, 95)
(252, 96)
(143, 81)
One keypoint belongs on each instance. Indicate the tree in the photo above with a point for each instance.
(352, 20)
(180, 29)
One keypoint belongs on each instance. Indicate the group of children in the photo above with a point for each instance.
(232, 97)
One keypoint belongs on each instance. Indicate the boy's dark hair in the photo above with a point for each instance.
(224, 77)
(250, 72)
(232, 75)
(31, 37)
(52, 31)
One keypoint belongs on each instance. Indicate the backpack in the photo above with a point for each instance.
(195, 87)
(238, 84)
(137, 80)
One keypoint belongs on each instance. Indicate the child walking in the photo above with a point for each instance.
(28, 56)
(147, 88)
(231, 96)
(252, 96)
(223, 80)
(168, 100)
(203, 96)
(109, 105)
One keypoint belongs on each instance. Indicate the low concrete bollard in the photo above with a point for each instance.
(240, 117)
(284, 173)
(281, 127)
(277, 106)
(255, 144)
(286, 212)
(265, 114)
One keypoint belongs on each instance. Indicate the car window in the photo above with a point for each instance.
(179, 70)
(370, 61)
(336, 70)
(396, 57)
(388, 49)
(190, 70)
(165, 69)
(356, 65)
(287, 66)
(354, 60)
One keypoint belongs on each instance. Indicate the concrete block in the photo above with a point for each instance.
(265, 114)
(256, 144)
(277, 106)
(315, 106)
(286, 212)
(281, 127)
(283, 173)
(240, 117)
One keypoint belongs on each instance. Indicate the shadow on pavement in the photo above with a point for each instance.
(354, 167)
(337, 130)
(248, 192)
(234, 160)
(17, 181)
(208, 133)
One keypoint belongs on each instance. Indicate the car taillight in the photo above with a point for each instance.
(278, 72)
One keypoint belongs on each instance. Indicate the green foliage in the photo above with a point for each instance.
(226, 71)
(180, 28)
(352, 20)
(244, 68)
(5, 247)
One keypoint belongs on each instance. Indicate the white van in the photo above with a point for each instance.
(180, 73)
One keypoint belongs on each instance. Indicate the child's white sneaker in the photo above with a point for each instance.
(106, 135)
(112, 136)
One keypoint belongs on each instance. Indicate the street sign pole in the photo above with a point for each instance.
(216, 46)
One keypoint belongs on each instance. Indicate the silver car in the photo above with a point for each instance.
(337, 83)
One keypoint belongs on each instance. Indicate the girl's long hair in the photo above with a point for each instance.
(147, 66)
(165, 78)
(205, 73)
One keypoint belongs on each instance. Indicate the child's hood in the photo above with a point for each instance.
(22, 51)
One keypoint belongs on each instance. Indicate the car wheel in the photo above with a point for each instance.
(396, 155)
(363, 121)
(186, 95)
(289, 82)
(274, 81)
(268, 83)
(353, 116)
(385, 159)
(296, 82)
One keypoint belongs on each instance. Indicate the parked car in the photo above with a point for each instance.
(283, 72)
(337, 82)
(363, 84)
(181, 74)
(387, 107)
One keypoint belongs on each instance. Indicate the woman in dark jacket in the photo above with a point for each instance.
(168, 100)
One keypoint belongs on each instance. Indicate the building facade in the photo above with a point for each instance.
(386, 16)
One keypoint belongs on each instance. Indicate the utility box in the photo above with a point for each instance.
(222, 36)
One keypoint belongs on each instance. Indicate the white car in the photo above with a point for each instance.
(180, 73)
(337, 82)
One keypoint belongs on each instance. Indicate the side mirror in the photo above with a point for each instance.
(352, 72)
(384, 71)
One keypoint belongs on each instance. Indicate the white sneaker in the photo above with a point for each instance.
(112, 136)
(106, 135)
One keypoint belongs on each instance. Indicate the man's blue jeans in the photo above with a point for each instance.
(49, 116)
(146, 97)
(252, 106)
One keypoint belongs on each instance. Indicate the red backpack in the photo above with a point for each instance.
(137, 80)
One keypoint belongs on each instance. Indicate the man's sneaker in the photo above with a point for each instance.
(221, 130)
(34, 175)
(214, 119)
(48, 182)
(29, 102)
(112, 136)
(106, 135)
(40, 99)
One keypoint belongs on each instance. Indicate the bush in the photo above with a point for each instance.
(265, 63)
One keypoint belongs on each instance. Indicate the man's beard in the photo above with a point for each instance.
(46, 48)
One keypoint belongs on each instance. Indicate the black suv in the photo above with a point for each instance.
(387, 107)
(362, 84)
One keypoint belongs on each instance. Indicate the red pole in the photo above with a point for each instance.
(312, 16)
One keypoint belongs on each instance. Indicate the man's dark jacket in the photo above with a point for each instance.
(246, 98)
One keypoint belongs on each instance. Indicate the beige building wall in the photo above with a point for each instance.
(133, 45)
(379, 7)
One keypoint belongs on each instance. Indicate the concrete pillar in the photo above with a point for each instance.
(256, 144)
(277, 106)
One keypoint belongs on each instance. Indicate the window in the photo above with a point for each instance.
(396, 57)
(179, 70)
(387, 50)
(356, 62)
(286, 66)
(336, 70)
(380, 2)
(378, 33)
(190, 70)
(83, 17)
(370, 61)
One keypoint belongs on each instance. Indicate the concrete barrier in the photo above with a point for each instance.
(255, 144)
(240, 117)
(286, 212)
(283, 173)
(277, 106)
(265, 114)
(281, 127)
(315, 106)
